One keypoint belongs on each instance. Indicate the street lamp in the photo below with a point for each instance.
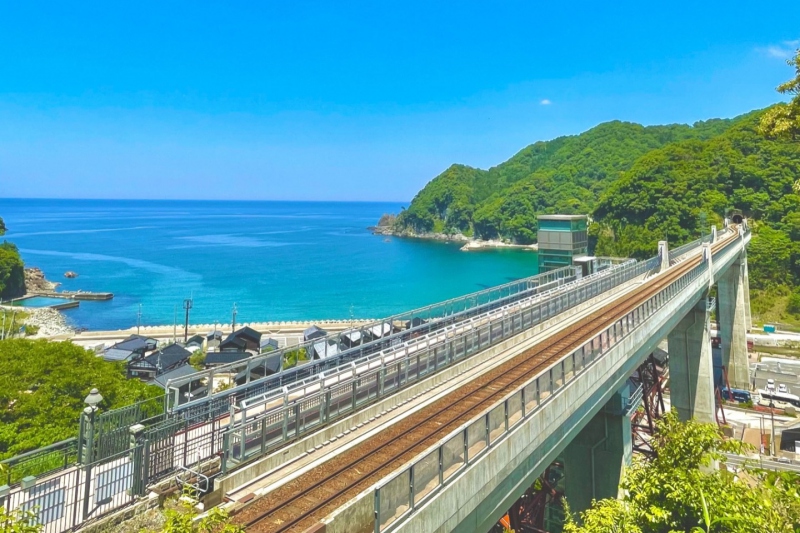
(87, 425)
(86, 442)
(93, 399)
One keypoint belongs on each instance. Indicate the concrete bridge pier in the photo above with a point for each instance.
(734, 307)
(691, 369)
(596, 458)
(745, 272)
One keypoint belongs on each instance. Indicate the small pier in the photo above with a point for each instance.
(76, 295)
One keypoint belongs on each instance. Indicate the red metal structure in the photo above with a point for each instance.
(651, 376)
(527, 515)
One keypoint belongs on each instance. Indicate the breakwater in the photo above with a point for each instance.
(76, 295)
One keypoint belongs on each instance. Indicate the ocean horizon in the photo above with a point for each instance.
(275, 260)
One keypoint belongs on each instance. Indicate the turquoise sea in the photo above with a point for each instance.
(274, 260)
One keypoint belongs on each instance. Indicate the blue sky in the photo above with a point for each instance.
(351, 100)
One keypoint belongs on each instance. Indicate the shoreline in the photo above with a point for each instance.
(478, 244)
(49, 322)
(291, 332)
(470, 244)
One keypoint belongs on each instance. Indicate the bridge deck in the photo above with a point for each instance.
(304, 501)
(396, 411)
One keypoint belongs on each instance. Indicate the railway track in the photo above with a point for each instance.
(304, 501)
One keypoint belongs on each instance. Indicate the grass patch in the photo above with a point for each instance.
(790, 351)
(769, 307)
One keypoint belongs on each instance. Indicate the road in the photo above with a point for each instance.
(762, 462)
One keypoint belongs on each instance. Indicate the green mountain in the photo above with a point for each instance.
(565, 175)
(641, 185)
(676, 191)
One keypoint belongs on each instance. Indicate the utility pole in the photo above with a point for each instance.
(772, 427)
(233, 320)
(3, 331)
(761, 443)
(138, 319)
(187, 304)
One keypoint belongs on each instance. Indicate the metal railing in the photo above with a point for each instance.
(40, 462)
(260, 425)
(681, 250)
(279, 367)
(63, 500)
(404, 491)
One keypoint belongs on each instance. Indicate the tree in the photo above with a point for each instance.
(198, 359)
(679, 490)
(42, 387)
(12, 272)
(783, 120)
(793, 305)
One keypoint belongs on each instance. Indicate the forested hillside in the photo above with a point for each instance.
(640, 185)
(12, 270)
(677, 191)
(565, 175)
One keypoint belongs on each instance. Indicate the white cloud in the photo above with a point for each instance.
(784, 50)
(545, 102)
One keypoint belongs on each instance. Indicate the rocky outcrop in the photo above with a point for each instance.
(36, 282)
(394, 231)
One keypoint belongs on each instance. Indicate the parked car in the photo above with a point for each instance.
(782, 388)
(771, 384)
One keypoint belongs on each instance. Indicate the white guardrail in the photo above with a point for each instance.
(259, 425)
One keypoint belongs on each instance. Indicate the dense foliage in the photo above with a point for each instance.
(564, 175)
(679, 491)
(12, 270)
(42, 388)
(783, 120)
(675, 192)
